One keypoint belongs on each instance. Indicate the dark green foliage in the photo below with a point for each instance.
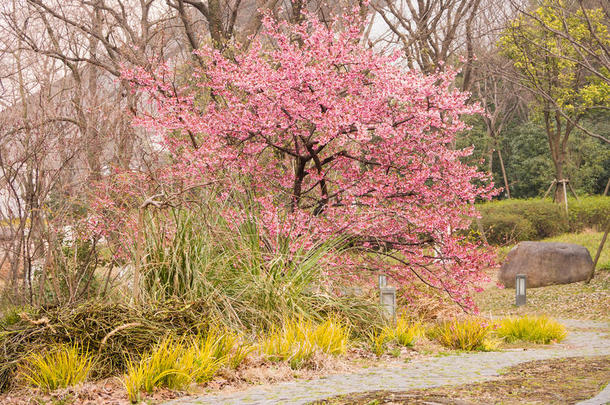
(589, 213)
(504, 228)
(528, 163)
(527, 159)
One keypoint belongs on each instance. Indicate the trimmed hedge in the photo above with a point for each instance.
(511, 221)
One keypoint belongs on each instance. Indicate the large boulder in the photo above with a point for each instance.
(546, 263)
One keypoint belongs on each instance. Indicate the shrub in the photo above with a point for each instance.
(511, 221)
(536, 329)
(61, 367)
(116, 331)
(589, 212)
(466, 334)
(246, 279)
(503, 228)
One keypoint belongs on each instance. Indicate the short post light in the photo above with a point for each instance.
(383, 281)
(520, 289)
(387, 297)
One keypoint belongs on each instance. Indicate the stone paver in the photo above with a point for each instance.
(421, 373)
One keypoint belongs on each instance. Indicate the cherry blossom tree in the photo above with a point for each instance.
(330, 139)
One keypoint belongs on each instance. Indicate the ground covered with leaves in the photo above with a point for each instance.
(563, 381)
(576, 301)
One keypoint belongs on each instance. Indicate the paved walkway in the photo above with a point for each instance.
(586, 338)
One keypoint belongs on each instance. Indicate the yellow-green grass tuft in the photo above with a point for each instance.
(468, 334)
(535, 329)
(60, 367)
(405, 332)
(297, 341)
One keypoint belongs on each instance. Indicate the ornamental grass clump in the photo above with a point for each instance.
(464, 334)
(378, 340)
(405, 332)
(535, 329)
(331, 336)
(298, 341)
(60, 367)
(291, 343)
(175, 364)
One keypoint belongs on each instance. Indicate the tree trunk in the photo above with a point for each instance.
(504, 174)
(558, 160)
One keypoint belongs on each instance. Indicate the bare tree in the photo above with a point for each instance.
(500, 99)
(431, 33)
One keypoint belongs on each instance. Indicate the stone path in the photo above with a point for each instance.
(586, 338)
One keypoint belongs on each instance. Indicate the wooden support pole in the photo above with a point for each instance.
(565, 195)
(572, 190)
(549, 189)
(139, 248)
(598, 254)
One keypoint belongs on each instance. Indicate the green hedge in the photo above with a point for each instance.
(510, 221)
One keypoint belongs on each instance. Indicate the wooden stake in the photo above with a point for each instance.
(139, 243)
(565, 195)
(572, 190)
(549, 189)
(598, 254)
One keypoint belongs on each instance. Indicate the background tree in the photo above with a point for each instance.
(547, 65)
(430, 33)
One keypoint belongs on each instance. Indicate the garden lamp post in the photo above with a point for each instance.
(383, 281)
(520, 297)
(387, 297)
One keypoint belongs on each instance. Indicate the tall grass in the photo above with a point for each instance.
(536, 329)
(61, 367)
(378, 340)
(247, 278)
